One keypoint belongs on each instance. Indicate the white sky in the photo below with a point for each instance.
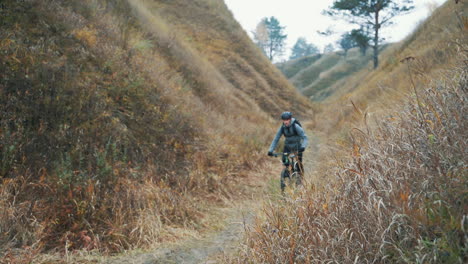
(302, 18)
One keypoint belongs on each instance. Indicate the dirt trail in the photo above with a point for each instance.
(238, 219)
(199, 251)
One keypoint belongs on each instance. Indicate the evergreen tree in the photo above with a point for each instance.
(376, 13)
(269, 36)
(302, 49)
(328, 48)
(361, 38)
(346, 42)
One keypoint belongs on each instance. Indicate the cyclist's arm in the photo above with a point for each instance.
(301, 133)
(274, 143)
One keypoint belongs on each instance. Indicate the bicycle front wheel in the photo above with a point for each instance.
(284, 174)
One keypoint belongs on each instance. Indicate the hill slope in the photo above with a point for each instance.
(434, 47)
(119, 118)
(392, 188)
(319, 76)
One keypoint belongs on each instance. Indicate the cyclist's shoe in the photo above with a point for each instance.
(270, 153)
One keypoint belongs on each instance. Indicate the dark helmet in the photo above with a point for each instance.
(286, 115)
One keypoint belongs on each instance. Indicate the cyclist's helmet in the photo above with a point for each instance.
(286, 115)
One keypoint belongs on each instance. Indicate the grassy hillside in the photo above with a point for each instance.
(391, 186)
(427, 53)
(120, 120)
(291, 68)
(399, 196)
(319, 76)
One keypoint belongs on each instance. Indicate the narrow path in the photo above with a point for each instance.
(199, 251)
(235, 219)
(238, 219)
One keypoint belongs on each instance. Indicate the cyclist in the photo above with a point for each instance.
(295, 138)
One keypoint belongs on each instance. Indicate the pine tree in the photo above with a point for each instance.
(328, 48)
(361, 38)
(376, 13)
(302, 49)
(269, 36)
(346, 42)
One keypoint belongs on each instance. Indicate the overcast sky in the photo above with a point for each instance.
(303, 18)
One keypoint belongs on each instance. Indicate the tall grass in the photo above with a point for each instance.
(435, 45)
(291, 68)
(111, 133)
(81, 134)
(312, 72)
(400, 197)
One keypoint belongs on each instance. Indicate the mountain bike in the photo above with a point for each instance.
(292, 173)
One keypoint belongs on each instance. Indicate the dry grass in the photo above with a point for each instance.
(392, 188)
(321, 76)
(119, 123)
(312, 72)
(241, 68)
(400, 196)
(291, 68)
(435, 46)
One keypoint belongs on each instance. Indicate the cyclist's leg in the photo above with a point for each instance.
(301, 169)
(301, 165)
(285, 172)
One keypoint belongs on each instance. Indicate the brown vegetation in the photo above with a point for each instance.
(119, 119)
(393, 187)
(320, 76)
(400, 197)
(435, 45)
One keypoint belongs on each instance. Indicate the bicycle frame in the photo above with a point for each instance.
(293, 169)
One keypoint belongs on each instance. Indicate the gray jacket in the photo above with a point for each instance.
(292, 139)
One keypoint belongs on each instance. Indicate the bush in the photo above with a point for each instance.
(400, 198)
(81, 151)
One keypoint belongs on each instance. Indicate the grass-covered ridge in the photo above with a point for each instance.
(427, 53)
(291, 68)
(392, 188)
(320, 76)
(400, 196)
(120, 119)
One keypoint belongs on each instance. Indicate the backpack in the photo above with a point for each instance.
(293, 126)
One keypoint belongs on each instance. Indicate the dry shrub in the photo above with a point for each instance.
(89, 146)
(104, 144)
(400, 197)
(434, 45)
(87, 35)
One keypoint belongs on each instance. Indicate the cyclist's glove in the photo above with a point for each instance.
(301, 149)
(270, 153)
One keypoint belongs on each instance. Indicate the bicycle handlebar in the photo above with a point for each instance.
(280, 154)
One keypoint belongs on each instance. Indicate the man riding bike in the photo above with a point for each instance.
(295, 139)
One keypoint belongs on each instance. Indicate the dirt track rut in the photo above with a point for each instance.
(205, 250)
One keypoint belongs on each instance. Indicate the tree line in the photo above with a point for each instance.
(369, 15)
